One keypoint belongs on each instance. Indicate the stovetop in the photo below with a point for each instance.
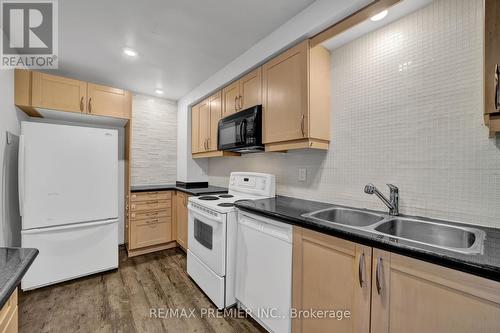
(223, 203)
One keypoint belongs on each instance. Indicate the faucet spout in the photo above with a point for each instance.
(392, 203)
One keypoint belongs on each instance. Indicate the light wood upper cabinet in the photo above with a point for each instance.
(296, 99)
(195, 129)
(58, 93)
(205, 118)
(230, 95)
(108, 101)
(35, 91)
(330, 274)
(251, 89)
(215, 104)
(491, 65)
(182, 220)
(243, 93)
(415, 296)
(204, 125)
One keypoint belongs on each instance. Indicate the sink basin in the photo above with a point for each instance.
(345, 216)
(455, 238)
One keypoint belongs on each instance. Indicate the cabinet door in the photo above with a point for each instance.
(58, 93)
(230, 95)
(182, 220)
(215, 115)
(151, 231)
(195, 129)
(330, 274)
(285, 91)
(251, 89)
(204, 126)
(109, 102)
(491, 56)
(413, 296)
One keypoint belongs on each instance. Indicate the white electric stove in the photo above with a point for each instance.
(212, 226)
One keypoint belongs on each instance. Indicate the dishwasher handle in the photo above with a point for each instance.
(279, 230)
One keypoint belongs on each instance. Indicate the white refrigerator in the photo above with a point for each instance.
(68, 197)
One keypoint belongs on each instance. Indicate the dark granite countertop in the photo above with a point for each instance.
(192, 191)
(14, 262)
(289, 210)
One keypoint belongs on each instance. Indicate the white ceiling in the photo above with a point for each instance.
(180, 42)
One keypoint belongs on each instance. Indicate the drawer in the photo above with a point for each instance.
(147, 196)
(164, 219)
(150, 214)
(149, 234)
(150, 205)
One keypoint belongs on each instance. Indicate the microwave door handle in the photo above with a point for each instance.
(243, 131)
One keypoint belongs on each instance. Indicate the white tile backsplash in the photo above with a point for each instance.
(154, 143)
(407, 104)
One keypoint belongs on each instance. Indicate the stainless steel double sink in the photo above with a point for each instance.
(439, 235)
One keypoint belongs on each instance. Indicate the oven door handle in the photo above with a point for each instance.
(203, 215)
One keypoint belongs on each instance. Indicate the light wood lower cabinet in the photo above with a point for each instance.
(150, 223)
(330, 274)
(182, 220)
(9, 315)
(386, 292)
(415, 296)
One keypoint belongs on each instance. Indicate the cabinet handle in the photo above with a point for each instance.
(208, 143)
(90, 105)
(378, 275)
(81, 104)
(240, 103)
(152, 221)
(361, 270)
(235, 103)
(302, 125)
(497, 87)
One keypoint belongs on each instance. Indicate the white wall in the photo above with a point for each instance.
(313, 19)
(10, 118)
(406, 109)
(154, 143)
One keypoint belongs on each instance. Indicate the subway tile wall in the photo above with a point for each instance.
(154, 144)
(407, 104)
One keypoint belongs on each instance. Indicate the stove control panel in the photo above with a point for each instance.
(253, 183)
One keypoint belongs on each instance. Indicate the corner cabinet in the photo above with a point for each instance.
(385, 292)
(492, 65)
(296, 99)
(205, 118)
(36, 91)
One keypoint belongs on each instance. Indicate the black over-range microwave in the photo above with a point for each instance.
(242, 131)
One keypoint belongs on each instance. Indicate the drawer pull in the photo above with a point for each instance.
(152, 221)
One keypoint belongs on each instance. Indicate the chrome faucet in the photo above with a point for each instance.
(392, 203)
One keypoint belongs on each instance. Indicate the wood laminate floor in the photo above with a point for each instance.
(120, 301)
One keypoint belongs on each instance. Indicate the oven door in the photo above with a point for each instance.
(207, 238)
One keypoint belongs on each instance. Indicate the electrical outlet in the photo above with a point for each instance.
(302, 174)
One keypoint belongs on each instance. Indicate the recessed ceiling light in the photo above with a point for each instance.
(130, 52)
(159, 91)
(379, 16)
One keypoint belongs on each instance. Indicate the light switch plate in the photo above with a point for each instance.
(302, 174)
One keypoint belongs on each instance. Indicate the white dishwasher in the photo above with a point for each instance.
(264, 270)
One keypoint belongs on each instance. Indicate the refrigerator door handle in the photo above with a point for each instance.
(21, 174)
(69, 226)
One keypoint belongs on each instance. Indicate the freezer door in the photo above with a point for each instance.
(67, 174)
(71, 251)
